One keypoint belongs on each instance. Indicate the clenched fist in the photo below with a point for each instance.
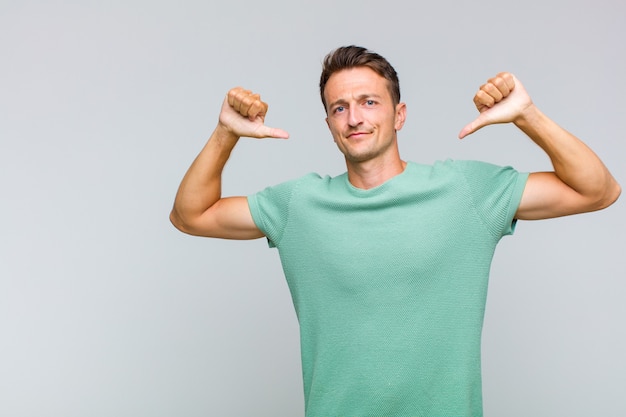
(502, 99)
(243, 114)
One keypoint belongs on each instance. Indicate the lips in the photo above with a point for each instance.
(357, 134)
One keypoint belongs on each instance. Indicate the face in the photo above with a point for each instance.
(361, 115)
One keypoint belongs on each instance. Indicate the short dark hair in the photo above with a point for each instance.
(352, 56)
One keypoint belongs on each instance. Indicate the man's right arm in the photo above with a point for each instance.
(199, 208)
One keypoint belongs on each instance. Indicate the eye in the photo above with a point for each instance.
(369, 102)
(339, 109)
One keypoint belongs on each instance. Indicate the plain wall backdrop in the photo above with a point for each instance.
(107, 310)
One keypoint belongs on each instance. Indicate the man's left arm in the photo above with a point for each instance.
(580, 181)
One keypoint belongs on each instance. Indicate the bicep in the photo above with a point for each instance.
(228, 218)
(546, 196)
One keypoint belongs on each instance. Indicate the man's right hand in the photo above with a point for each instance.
(243, 114)
(199, 208)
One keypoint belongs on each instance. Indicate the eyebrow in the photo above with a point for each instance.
(358, 98)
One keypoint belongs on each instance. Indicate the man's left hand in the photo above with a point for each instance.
(503, 99)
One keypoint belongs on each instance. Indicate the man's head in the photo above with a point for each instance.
(347, 57)
(361, 97)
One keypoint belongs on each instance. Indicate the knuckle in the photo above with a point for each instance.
(233, 92)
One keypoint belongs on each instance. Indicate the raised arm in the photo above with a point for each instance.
(580, 181)
(199, 208)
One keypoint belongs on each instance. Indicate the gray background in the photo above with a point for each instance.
(107, 310)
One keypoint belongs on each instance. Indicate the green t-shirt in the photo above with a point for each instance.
(389, 284)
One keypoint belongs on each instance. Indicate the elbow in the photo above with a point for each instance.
(178, 222)
(189, 225)
(175, 220)
(609, 195)
(615, 192)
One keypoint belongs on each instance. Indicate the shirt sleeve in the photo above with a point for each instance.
(270, 208)
(496, 193)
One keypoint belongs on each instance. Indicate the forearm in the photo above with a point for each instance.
(575, 164)
(201, 186)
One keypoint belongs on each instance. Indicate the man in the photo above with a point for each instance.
(388, 263)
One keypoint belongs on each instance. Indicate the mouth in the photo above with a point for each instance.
(357, 135)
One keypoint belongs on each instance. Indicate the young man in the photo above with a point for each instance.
(388, 263)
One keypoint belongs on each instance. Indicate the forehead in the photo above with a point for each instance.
(355, 82)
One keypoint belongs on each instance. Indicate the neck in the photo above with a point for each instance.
(371, 174)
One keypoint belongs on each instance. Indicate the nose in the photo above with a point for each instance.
(354, 116)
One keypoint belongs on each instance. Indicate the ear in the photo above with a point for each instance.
(400, 115)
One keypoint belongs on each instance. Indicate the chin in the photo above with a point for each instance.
(359, 158)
